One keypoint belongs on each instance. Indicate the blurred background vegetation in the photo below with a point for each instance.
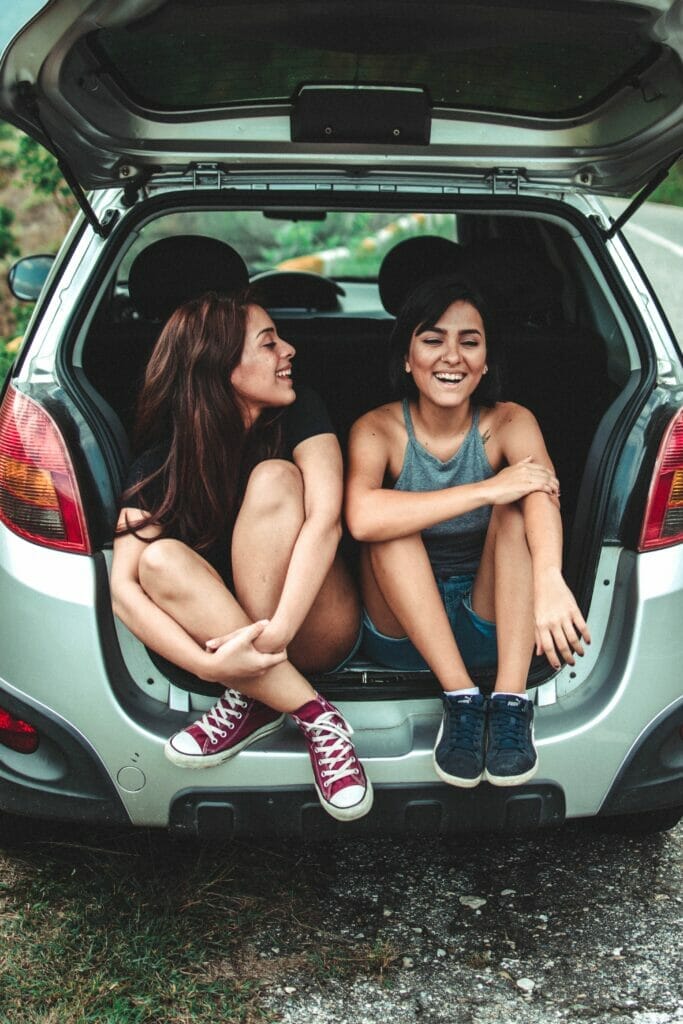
(36, 208)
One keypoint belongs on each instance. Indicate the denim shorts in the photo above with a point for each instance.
(475, 637)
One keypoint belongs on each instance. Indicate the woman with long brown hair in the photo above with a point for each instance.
(225, 557)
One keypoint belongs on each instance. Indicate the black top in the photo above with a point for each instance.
(306, 417)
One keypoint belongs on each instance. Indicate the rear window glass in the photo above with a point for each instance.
(540, 59)
(337, 244)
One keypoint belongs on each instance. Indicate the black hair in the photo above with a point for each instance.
(421, 310)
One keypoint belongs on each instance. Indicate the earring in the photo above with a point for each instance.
(486, 369)
(407, 367)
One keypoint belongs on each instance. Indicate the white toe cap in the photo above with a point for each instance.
(349, 796)
(185, 744)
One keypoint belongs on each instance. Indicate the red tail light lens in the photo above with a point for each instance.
(39, 496)
(17, 734)
(663, 524)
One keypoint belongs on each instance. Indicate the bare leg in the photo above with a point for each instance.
(503, 593)
(267, 527)
(402, 598)
(189, 590)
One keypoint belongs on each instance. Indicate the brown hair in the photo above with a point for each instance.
(187, 400)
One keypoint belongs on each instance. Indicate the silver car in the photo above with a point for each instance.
(311, 140)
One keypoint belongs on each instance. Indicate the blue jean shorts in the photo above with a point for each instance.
(475, 637)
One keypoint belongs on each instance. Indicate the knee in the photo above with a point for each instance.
(275, 486)
(162, 567)
(508, 519)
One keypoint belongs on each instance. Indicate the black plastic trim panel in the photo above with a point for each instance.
(432, 809)
(652, 776)
(82, 792)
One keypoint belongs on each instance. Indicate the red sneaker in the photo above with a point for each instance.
(233, 723)
(341, 783)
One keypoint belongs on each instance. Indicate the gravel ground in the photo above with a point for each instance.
(566, 925)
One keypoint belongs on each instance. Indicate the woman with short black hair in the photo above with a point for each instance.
(455, 498)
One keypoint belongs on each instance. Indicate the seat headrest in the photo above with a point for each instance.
(413, 261)
(174, 270)
(296, 289)
(516, 281)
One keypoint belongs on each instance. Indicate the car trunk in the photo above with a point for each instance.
(560, 342)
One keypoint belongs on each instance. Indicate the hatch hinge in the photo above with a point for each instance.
(101, 227)
(504, 180)
(638, 200)
(207, 176)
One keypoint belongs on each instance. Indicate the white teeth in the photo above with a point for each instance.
(453, 378)
(283, 373)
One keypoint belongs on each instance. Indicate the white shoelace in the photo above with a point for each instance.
(215, 721)
(331, 744)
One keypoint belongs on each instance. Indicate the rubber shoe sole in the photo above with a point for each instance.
(511, 780)
(211, 760)
(453, 780)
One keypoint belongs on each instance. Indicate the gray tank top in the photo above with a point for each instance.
(455, 545)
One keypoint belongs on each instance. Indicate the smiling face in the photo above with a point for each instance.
(448, 359)
(263, 376)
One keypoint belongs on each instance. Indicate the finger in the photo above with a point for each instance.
(548, 648)
(563, 645)
(271, 660)
(250, 632)
(217, 641)
(582, 626)
(538, 646)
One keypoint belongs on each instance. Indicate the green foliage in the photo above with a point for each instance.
(671, 189)
(297, 238)
(39, 169)
(6, 360)
(8, 245)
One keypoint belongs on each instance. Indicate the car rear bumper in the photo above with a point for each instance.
(58, 659)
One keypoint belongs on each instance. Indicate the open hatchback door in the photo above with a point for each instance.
(580, 94)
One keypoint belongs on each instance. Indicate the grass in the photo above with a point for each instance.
(139, 928)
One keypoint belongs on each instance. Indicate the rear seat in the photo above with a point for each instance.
(165, 274)
(549, 365)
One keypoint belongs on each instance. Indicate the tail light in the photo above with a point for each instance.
(17, 734)
(39, 497)
(663, 523)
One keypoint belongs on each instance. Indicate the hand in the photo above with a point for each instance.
(272, 640)
(522, 478)
(559, 625)
(234, 655)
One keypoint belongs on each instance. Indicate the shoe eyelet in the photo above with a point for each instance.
(222, 734)
(213, 742)
(231, 725)
(239, 714)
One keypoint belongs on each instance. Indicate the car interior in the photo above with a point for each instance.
(558, 341)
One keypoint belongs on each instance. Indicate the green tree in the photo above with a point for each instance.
(8, 245)
(39, 169)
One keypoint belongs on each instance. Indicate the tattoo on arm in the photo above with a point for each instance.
(486, 436)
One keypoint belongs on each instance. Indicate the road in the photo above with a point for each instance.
(561, 926)
(656, 235)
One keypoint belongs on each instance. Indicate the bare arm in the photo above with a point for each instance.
(375, 513)
(319, 460)
(236, 658)
(559, 624)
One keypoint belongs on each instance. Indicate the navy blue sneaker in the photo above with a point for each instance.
(459, 748)
(511, 757)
